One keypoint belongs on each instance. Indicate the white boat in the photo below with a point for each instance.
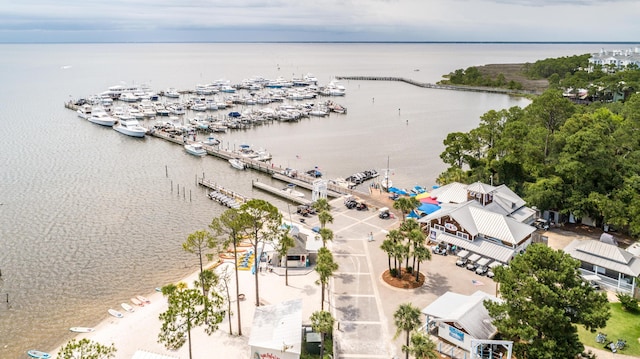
(211, 141)
(129, 97)
(137, 302)
(102, 118)
(172, 93)
(115, 313)
(127, 307)
(195, 149)
(290, 190)
(84, 111)
(81, 329)
(130, 128)
(143, 299)
(237, 164)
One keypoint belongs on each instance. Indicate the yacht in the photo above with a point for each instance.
(172, 93)
(101, 117)
(84, 111)
(130, 128)
(195, 149)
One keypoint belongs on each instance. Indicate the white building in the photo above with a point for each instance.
(276, 332)
(459, 319)
(618, 59)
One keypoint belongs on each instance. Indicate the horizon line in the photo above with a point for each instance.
(318, 42)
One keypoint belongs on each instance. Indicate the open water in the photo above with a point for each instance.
(89, 217)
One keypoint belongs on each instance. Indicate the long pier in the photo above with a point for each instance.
(438, 86)
(278, 192)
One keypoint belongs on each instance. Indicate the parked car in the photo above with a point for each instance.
(490, 274)
(439, 250)
(361, 206)
(351, 204)
(384, 213)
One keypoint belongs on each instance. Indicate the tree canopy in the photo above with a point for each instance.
(558, 156)
(543, 297)
(86, 349)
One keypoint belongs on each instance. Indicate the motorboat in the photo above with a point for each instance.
(211, 141)
(130, 128)
(84, 111)
(102, 118)
(237, 163)
(195, 149)
(290, 190)
(172, 93)
(129, 97)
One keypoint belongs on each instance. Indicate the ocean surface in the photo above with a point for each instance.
(90, 217)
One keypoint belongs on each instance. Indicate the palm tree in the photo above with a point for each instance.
(326, 234)
(421, 347)
(422, 253)
(322, 322)
(325, 268)
(321, 204)
(230, 225)
(407, 319)
(406, 205)
(325, 217)
(387, 246)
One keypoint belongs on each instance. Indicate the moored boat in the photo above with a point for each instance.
(143, 299)
(130, 128)
(102, 118)
(195, 149)
(84, 111)
(237, 164)
(127, 307)
(290, 190)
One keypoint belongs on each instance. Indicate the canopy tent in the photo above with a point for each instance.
(413, 214)
(428, 208)
(423, 195)
(428, 200)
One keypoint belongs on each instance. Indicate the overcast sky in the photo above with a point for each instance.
(318, 20)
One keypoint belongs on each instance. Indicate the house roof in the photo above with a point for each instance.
(454, 192)
(468, 311)
(278, 325)
(478, 220)
(604, 255)
(480, 187)
(484, 248)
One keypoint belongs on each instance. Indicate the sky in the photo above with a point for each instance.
(319, 20)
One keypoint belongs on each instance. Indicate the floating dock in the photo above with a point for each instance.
(279, 192)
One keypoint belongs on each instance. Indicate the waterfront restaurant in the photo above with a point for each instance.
(492, 222)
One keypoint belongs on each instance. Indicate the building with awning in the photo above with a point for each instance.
(607, 264)
(459, 319)
(493, 221)
(276, 332)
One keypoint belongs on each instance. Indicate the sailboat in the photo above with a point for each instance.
(385, 182)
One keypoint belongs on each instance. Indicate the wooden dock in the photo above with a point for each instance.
(229, 193)
(440, 87)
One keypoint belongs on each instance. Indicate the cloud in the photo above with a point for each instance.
(320, 20)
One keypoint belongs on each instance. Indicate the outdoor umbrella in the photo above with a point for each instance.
(429, 200)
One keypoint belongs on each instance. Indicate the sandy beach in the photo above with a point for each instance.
(139, 330)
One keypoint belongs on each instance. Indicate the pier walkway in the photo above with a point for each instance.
(440, 87)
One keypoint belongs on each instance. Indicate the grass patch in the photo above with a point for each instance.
(621, 325)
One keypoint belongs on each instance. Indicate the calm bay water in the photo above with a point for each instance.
(89, 217)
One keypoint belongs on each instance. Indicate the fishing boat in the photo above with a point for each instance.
(237, 164)
(130, 128)
(82, 329)
(115, 313)
(195, 149)
(38, 354)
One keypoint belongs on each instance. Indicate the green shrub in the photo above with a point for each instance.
(629, 303)
(393, 272)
